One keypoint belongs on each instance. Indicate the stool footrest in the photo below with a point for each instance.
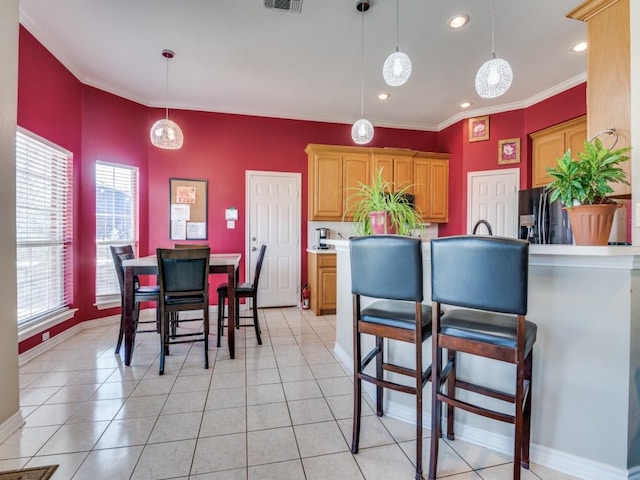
(489, 392)
(503, 417)
(387, 384)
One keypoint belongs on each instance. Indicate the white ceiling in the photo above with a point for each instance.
(236, 56)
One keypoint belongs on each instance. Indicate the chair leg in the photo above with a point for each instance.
(164, 325)
(205, 317)
(237, 312)
(120, 334)
(379, 376)
(526, 427)
(418, 381)
(220, 318)
(436, 411)
(357, 390)
(256, 324)
(518, 434)
(451, 392)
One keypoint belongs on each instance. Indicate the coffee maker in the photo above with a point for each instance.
(322, 234)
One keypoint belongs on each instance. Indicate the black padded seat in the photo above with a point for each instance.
(397, 314)
(487, 327)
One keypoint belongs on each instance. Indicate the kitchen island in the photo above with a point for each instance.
(586, 374)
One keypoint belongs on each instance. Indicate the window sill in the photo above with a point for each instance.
(107, 301)
(45, 324)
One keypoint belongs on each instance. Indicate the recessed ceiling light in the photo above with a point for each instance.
(458, 21)
(383, 96)
(465, 104)
(579, 47)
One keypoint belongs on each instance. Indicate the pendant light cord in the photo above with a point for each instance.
(362, 70)
(166, 90)
(397, 25)
(493, 33)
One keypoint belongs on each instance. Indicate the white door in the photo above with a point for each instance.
(274, 219)
(493, 196)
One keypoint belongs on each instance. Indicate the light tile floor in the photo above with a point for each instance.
(278, 411)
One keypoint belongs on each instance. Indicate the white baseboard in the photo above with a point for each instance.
(10, 425)
(579, 467)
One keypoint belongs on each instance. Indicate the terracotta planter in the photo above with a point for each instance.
(591, 224)
(381, 223)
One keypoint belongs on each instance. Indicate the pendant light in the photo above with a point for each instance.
(166, 133)
(362, 130)
(397, 67)
(495, 76)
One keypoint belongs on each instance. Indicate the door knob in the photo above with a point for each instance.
(253, 249)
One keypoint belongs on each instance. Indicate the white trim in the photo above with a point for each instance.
(45, 324)
(512, 172)
(104, 302)
(10, 425)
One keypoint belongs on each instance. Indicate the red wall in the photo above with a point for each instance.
(95, 125)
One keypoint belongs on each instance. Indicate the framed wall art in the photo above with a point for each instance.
(187, 209)
(509, 151)
(479, 129)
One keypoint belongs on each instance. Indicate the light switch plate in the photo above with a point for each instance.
(231, 224)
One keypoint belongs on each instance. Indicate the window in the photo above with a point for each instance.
(116, 222)
(44, 232)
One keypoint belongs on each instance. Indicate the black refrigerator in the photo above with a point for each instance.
(542, 221)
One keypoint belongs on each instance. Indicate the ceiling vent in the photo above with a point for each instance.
(285, 5)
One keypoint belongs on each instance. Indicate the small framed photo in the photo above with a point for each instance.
(509, 151)
(479, 129)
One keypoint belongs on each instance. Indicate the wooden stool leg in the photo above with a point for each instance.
(418, 381)
(220, 318)
(121, 332)
(357, 390)
(380, 376)
(256, 324)
(526, 427)
(451, 392)
(436, 411)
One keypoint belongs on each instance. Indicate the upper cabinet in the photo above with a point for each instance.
(551, 143)
(608, 72)
(335, 171)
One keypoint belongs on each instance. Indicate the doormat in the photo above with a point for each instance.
(35, 473)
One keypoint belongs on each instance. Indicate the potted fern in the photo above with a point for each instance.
(380, 208)
(583, 186)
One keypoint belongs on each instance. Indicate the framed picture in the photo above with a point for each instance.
(187, 209)
(479, 129)
(509, 151)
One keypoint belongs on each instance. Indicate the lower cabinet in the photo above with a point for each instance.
(322, 282)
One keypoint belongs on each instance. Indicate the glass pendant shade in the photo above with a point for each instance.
(166, 134)
(396, 69)
(362, 131)
(494, 78)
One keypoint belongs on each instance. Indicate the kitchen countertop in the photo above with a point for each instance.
(321, 251)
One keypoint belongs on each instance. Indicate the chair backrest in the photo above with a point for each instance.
(256, 275)
(387, 266)
(120, 253)
(191, 245)
(183, 272)
(485, 273)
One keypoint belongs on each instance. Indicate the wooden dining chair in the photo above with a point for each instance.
(141, 293)
(183, 275)
(243, 290)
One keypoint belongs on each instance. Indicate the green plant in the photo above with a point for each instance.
(381, 196)
(587, 180)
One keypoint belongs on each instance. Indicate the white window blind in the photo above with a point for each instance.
(44, 227)
(116, 220)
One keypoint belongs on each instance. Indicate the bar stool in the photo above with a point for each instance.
(490, 276)
(388, 268)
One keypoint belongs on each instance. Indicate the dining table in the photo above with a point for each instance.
(218, 263)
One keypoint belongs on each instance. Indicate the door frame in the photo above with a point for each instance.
(297, 176)
(514, 172)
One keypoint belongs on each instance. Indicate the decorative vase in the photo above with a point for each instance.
(381, 223)
(591, 224)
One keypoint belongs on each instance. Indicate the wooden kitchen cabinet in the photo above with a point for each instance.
(549, 144)
(335, 171)
(431, 186)
(397, 166)
(608, 73)
(322, 282)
